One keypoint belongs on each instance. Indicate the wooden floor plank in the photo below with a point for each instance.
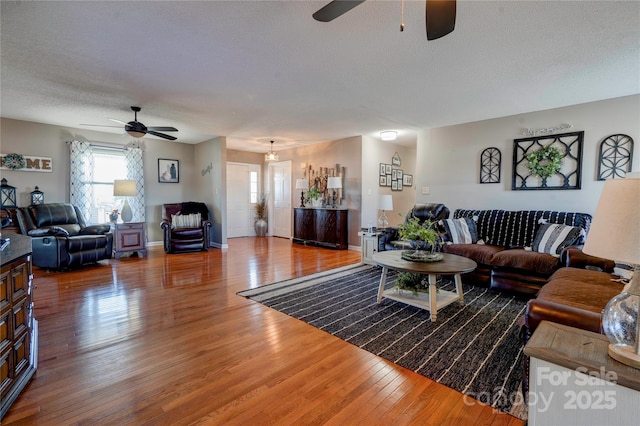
(165, 340)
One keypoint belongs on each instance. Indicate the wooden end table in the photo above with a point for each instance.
(129, 237)
(451, 264)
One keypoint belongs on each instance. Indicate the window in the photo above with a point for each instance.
(108, 165)
(253, 181)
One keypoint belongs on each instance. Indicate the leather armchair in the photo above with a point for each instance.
(60, 238)
(430, 211)
(179, 239)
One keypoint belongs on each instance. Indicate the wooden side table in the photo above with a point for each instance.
(573, 381)
(129, 237)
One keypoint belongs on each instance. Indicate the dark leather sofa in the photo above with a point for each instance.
(430, 211)
(60, 237)
(504, 262)
(185, 239)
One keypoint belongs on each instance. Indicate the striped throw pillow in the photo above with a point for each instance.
(552, 238)
(460, 231)
(192, 220)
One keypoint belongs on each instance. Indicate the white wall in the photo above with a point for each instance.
(448, 158)
(212, 186)
(374, 152)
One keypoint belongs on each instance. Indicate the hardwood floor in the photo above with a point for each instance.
(165, 340)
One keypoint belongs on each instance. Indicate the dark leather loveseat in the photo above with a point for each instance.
(60, 237)
(185, 237)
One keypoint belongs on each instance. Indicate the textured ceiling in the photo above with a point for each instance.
(260, 70)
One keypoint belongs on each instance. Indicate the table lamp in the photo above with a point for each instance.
(125, 188)
(302, 185)
(334, 183)
(385, 202)
(615, 234)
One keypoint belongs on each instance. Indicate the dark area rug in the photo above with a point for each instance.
(474, 349)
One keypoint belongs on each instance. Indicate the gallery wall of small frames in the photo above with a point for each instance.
(392, 176)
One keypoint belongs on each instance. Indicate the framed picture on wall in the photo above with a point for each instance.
(168, 170)
(383, 170)
(394, 174)
(399, 184)
(383, 180)
(399, 175)
(407, 180)
(388, 180)
(388, 168)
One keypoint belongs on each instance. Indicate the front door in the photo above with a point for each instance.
(238, 200)
(280, 220)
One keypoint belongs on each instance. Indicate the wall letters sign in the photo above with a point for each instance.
(34, 164)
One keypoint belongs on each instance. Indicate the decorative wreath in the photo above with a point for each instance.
(545, 162)
(14, 161)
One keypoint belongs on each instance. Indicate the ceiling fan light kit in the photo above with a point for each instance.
(137, 130)
(440, 15)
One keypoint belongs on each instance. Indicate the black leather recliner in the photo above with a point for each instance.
(430, 211)
(180, 239)
(60, 239)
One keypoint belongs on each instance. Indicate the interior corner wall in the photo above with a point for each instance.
(449, 157)
(374, 152)
(212, 185)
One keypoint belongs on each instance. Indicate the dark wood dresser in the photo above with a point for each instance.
(324, 227)
(18, 327)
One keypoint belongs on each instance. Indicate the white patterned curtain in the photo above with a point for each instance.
(81, 177)
(135, 171)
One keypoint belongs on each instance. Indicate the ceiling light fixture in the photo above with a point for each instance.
(271, 156)
(388, 135)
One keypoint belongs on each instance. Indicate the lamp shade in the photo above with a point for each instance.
(124, 188)
(334, 183)
(385, 202)
(615, 230)
(302, 184)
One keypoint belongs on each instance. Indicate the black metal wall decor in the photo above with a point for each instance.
(615, 156)
(569, 175)
(490, 165)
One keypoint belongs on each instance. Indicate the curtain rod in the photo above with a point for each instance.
(111, 147)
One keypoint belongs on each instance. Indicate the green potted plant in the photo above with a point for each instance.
(424, 237)
(314, 197)
(261, 223)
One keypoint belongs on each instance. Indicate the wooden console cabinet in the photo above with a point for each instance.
(322, 227)
(18, 327)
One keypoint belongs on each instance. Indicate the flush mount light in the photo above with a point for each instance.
(388, 135)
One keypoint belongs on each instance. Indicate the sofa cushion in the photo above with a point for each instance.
(580, 288)
(53, 214)
(480, 253)
(193, 220)
(460, 231)
(540, 263)
(552, 238)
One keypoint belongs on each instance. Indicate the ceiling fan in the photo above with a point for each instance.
(440, 15)
(138, 130)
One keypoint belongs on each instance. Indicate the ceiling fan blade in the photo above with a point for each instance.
(162, 129)
(161, 135)
(100, 125)
(334, 9)
(116, 120)
(441, 18)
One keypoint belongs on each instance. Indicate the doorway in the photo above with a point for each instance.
(280, 206)
(243, 181)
